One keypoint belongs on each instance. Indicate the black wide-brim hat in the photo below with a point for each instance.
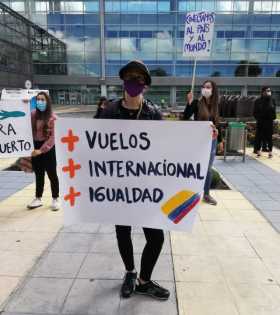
(139, 66)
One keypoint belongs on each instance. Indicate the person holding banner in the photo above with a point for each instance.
(43, 156)
(206, 108)
(136, 78)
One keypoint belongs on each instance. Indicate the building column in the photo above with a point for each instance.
(103, 90)
(27, 9)
(56, 6)
(102, 39)
(173, 96)
(244, 90)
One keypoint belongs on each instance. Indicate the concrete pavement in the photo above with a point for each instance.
(228, 265)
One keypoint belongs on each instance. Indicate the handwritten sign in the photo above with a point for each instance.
(132, 172)
(15, 129)
(22, 94)
(199, 30)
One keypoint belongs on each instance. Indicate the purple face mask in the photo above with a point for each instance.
(133, 87)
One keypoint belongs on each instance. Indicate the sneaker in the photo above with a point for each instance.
(258, 154)
(128, 285)
(35, 203)
(152, 289)
(270, 155)
(210, 200)
(55, 204)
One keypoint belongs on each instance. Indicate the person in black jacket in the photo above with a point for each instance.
(206, 108)
(100, 106)
(136, 78)
(264, 113)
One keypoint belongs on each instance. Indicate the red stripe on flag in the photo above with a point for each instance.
(186, 211)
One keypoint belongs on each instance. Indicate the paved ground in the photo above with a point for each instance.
(81, 273)
(11, 182)
(6, 163)
(228, 265)
(258, 182)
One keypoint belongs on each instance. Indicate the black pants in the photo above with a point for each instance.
(264, 133)
(264, 147)
(154, 238)
(42, 163)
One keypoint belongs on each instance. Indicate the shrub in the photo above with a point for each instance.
(216, 179)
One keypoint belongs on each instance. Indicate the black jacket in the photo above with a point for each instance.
(115, 110)
(191, 109)
(265, 109)
(98, 112)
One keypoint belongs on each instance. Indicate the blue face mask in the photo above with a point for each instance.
(41, 106)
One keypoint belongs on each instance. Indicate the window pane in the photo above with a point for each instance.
(263, 6)
(112, 6)
(17, 6)
(72, 6)
(259, 45)
(241, 6)
(224, 6)
(163, 6)
(41, 6)
(91, 6)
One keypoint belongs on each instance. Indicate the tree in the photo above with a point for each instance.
(253, 68)
(216, 74)
(278, 74)
(158, 72)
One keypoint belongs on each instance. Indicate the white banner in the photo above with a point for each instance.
(22, 94)
(199, 30)
(127, 172)
(16, 138)
(12, 94)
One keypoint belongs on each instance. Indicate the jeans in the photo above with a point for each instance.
(42, 163)
(208, 180)
(152, 249)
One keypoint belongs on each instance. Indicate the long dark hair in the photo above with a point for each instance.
(102, 100)
(45, 115)
(209, 110)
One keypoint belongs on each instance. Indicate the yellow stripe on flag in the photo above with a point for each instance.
(176, 201)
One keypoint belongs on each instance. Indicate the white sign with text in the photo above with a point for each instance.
(198, 37)
(131, 172)
(16, 138)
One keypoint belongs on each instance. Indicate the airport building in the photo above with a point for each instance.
(90, 40)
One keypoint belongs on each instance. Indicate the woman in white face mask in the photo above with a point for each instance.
(206, 108)
(43, 157)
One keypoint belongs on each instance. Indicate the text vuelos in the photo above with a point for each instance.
(117, 141)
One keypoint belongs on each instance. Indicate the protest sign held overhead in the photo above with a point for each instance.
(198, 37)
(132, 172)
(15, 129)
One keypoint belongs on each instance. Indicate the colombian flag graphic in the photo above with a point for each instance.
(179, 205)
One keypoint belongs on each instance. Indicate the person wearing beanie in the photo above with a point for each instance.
(136, 79)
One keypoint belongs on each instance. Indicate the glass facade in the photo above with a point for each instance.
(26, 48)
(15, 53)
(246, 38)
(73, 94)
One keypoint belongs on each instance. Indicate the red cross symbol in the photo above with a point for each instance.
(70, 140)
(71, 168)
(71, 196)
